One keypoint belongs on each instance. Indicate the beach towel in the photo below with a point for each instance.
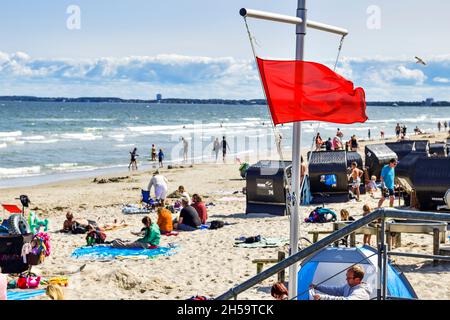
(24, 294)
(264, 243)
(110, 253)
(135, 209)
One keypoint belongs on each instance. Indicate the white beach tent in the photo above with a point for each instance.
(331, 260)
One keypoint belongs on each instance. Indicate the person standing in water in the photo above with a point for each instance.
(161, 158)
(153, 152)
(133, 162)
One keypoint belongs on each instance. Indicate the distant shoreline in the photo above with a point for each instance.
(201, 101)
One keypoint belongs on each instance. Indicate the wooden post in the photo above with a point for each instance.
(315, 237)
(389, 240)
(282, 273)
(398, 239)
(335, 228)
(259, 267)
(435, 245)
(353, 239)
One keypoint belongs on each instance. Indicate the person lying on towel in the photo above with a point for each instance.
(150, 237)
(355, 289)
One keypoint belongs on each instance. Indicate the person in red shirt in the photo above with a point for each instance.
(200, 207)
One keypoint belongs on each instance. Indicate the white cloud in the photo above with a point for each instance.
(207, 77)
(441, 80)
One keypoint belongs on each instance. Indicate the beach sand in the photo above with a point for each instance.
(206, 263)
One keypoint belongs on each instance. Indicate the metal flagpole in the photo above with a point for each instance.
(296, 154)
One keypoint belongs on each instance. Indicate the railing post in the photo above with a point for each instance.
(282, 273)
(436, 240)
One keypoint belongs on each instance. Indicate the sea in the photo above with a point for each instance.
(49, 141)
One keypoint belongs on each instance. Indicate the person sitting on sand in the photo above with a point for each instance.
(199, 206)
(72, 223)
(54, 292)
(94, 236)
(189, 219)
(183, 194)
(355, 289)
(371, 186)
(159, 182)
(150, 237)
(164, 220)
(279, 291)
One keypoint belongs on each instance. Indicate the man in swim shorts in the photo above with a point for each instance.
(387, 183)
(356, 179)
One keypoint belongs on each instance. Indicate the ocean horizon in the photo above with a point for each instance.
(47, 141)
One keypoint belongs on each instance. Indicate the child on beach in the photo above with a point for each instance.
(345, 216)
(164, 220)
(161, 158)
(371, 186)
(366, 211)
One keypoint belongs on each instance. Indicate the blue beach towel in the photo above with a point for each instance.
(24, 294)
(107, 252)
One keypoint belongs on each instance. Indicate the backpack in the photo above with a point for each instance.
(216, 224)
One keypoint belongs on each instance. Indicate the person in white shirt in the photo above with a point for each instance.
(185, 149)
(355, 289)
(159, 182)
(184, 194)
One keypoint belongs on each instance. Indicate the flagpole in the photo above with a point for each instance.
(296, 155)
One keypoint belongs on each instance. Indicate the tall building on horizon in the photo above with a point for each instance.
(429, 102)
(159, 97)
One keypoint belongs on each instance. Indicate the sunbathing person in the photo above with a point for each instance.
(72, 224)
(164, 220)
(150, 237)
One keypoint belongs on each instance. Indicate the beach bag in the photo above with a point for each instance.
(216, 224)
(78, 229)
(253, 239)
(321, 215)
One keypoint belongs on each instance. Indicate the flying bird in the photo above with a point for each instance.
(420, 61)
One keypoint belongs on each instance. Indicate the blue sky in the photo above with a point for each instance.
(199, 48)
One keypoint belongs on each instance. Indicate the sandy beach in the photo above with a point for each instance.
(206, 262)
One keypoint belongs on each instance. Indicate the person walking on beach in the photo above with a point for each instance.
(397, 130)
(224, 148)
(185, 149)
(439, 126)
(216, 148)
(387, 183)
(133, 162)
(368, 134)
(161, 158)
(159, 182)
(382, 134)
(153, 152)
(356, 179)
(355, 289)
(445, 126)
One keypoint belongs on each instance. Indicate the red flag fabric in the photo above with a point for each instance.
(302, 90)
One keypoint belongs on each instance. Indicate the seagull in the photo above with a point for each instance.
(420, 61)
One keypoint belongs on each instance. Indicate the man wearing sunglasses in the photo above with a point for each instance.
(355, 289)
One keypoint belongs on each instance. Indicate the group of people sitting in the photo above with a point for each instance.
(192, 215)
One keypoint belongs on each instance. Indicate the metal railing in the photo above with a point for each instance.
(337, 235)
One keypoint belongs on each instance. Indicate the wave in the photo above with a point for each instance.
(44, 141)
(71, 120)
(80, 136)
(124, 145)
(33, 138)
(19, 172)
(10, 134)
(3, 145)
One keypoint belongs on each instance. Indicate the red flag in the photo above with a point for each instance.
(301, 90)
